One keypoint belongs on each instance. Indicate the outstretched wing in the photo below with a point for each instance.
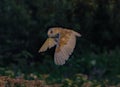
(50, 42)
(65, 47)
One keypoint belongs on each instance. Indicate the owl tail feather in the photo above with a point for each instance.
(77, 34)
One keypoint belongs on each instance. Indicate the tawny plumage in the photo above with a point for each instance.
(65, 41)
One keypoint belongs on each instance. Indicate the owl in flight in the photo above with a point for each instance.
(64, 40)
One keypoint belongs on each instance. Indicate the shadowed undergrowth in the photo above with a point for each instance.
(90, 70)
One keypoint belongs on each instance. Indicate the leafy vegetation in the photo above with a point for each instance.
(99, 70)
(95, 61)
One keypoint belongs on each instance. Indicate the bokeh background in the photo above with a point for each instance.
(23, 30)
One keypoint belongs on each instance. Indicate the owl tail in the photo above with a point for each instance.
(77, 34)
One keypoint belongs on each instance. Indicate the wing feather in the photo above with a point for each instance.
(64, 48)
(50, 42)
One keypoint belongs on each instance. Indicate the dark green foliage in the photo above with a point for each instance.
(23, 29)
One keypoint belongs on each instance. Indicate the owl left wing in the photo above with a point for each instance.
(50, 42)
(65, 47)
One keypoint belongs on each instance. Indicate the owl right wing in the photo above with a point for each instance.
(65, 46)
(50, 42)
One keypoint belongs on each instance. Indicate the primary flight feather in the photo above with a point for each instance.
(65, 41)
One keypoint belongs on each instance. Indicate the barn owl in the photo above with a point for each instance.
(64, 40)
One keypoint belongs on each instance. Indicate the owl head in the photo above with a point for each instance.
(54, 32)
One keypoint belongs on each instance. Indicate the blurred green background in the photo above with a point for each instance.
(23, 29)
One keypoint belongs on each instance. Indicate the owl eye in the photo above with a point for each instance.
(51, 31)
